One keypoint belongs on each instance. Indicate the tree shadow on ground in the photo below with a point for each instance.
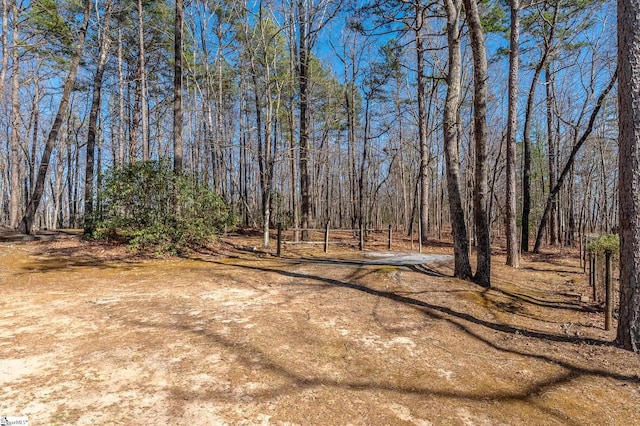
(554, 259)
(295, 380)
(419, 268)
(252, 357)
(60, 259)
(558, 271)
(460, 319)
(395, 296)
(9, 235)
(527, 298)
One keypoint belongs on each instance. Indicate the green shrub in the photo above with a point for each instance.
(604, 243)
(153, 208)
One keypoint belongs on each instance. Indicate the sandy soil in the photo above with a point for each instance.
(92, 334)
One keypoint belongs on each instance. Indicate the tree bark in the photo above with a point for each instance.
(351, 148)
(34, 200)
(36, 129)
(120, 134)
(142, 81)
(220, 147)
(89, 220)
(14, 158)
(513, 255)
(422, 125)
(483, 269)
(526, 171)
(451, 130)
(552, 148)
(4, 39)
(628, 334)
(178, 137)
(293, 146)
(303, 104)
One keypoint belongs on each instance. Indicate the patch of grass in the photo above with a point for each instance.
(386, 269)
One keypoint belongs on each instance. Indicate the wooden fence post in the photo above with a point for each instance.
(326, 238)
(389, 239)
(361, 237)
(279, 250)
(608, 319)
(583, 253)
(590, 270)
(593, 275)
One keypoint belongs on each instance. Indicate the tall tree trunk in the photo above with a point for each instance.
(552, 148)
(628, 335)
(574, 151)
(351, 147)
(14, 158)
(67, 209)
(73, 223)
(569, 239)
(34, 134)
(120, 134)
(451, 131)
(483, 269)
(526, 170)
(178, 137)
(34, 200)
(135, 121)
(142, 81)
(311, 17)
(263, 154)
(362, 180)
(4, 39)
(513, 256)
(294, 168)
(422, 124)
(57, 190)
(526, 173)
(303, 104)
(219, 168)
(89, 222)
(293, 153)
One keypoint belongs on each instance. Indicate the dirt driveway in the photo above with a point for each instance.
(91, 335)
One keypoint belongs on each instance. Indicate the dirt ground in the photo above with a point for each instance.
(91, 334)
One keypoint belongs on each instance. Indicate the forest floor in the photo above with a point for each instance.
(92, 334)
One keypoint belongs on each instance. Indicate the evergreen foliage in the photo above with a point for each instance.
(153, 208)
(605, 243)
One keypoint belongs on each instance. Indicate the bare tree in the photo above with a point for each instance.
(552, 153)
(567, 168)
(142, 81)
(105, 45)
(547, 46)
(513, 256)
(420, 11)
(178, 137)
(311, 16)
(36, 197)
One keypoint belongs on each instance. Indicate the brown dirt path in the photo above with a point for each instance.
(90, 334)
